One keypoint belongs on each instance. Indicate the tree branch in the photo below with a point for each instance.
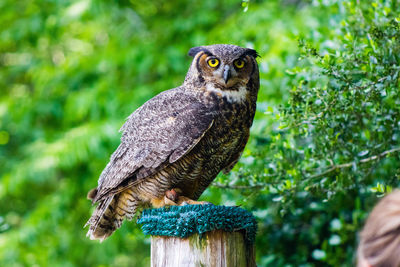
(347, 165)
(240, 187)
(327, 171)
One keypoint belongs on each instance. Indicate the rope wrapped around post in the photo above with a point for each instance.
(200, 235)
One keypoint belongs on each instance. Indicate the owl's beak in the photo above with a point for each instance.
(227, 74)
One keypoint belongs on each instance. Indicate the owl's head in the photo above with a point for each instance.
(225, 67)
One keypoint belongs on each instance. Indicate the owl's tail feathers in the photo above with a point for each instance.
(110, 213)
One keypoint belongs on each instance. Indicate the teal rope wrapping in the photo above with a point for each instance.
(183, 221)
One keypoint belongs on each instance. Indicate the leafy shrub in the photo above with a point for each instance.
(334, 147)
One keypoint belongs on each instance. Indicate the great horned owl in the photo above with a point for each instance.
(174, 145)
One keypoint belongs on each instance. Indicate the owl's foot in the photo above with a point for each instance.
(162, 202)
(174, 196)
(170, 198)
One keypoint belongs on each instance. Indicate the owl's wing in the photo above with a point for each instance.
(160, 132)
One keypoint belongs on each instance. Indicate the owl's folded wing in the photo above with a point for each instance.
(158, 133)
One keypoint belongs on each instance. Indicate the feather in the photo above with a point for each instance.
(110, 213)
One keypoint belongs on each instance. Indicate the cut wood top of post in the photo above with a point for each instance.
(183, 221)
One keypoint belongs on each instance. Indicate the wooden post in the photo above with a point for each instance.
(215, 249)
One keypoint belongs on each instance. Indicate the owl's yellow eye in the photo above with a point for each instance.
(239, 63)
(213, 62)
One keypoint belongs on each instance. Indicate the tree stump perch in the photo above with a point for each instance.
(200, 235)
(216, 248)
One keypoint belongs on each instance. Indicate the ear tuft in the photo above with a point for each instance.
(252, 52)
(195, 50)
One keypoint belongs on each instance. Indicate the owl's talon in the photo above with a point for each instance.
(169, 202)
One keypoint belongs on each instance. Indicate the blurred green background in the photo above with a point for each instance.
(324, 145)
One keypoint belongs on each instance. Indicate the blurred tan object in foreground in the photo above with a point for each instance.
(380, 239)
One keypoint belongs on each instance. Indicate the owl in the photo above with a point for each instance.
(175, 144)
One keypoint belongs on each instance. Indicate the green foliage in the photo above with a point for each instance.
(334, 147)
(324, 145)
